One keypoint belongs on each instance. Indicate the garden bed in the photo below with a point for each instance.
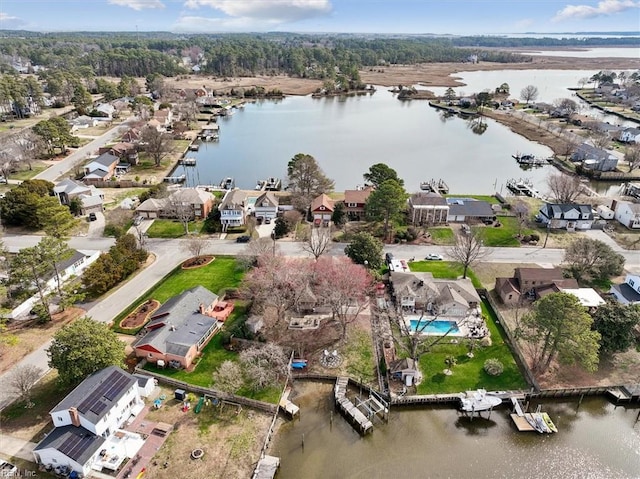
(197, 261)
(141, 315)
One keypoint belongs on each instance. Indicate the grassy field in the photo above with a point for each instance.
(488, 198)
(441, 236)
(505, 235)
(443, 270)
(468, 373)
(27, 174)
(171, 228)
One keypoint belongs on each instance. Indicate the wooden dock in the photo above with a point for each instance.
(521, 423)
(266, 468)
(348, 409)
(287, 406)
(187, 162)
(435, 186)
(175, 179)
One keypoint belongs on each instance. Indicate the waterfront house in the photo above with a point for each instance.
(164, 117)
(627, 214)
(91, 198)
(266, 206)
(233, 209)
(428, 209)
(87, 422)
(322, 210)
(196, 201)
(567, 216)
(354, 202)
(629, 291)
(124, 150)
(467, 210)
(594, 158)
(180, 329)
(101, 168)
(630, 135)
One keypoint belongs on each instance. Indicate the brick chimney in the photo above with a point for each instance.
(202, 308)
(75, 418)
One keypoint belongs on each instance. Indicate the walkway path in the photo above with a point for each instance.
(13, 447)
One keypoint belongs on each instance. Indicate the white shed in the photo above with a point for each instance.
(605, 212)
(146, 385)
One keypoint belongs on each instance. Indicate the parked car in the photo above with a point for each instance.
(388, 258)
(434, 257)
(137, 220)
(92, 217)
(243, 239)
(267, 221)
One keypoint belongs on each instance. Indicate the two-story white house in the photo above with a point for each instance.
(87, 419)
(266, 206)
(233, 209)
(628, 214)
(571, 217)
(630, 135)
(629, 291)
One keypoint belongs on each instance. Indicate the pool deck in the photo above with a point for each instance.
(462, 332)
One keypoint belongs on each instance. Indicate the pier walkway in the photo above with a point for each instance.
(348, 409)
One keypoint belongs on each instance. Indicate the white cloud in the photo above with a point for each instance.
(10, 21)
(603, 8)
(524, 23)
(196, 24)
(138, 4)
(272, 11)
(5, 17)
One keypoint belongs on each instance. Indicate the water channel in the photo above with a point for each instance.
(596, 440)
(348, 135)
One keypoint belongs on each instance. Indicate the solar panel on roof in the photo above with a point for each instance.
(116, 388)
(98, 407)
(89, 401)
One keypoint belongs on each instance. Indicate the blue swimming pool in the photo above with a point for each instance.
(439, 327)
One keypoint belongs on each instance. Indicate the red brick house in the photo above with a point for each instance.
(354, 201)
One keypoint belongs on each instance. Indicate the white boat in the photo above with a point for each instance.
(478, 400)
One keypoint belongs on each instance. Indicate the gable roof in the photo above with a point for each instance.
(552, 209)
(152, 204)
(358, 196)
(539, 274)
(192, 196)
(322, 200)
(269, 197)
(178, 322)
(506, 286)
(70, 187)
(106, 160)
(233, 200)
(77, 443)
(76, 256)
(413, 284)
(95, 396)
(627, 292)
(469, 207)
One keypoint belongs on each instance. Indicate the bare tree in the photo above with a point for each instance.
(256, 249)
(521, 210)
(22, 380)
(468, 249)
(529, 93)
(29, 147)
(632, 156)
(569, 145)
(318, 242)
(564, 188)
(600, 137)
(567, 105)
(264, 365)
(196, 245)
(158, 145)
(228, 377)
(293, 218)
(181, 211)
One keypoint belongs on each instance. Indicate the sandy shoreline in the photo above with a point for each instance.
(427, 74)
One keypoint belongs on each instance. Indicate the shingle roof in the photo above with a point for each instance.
(193, 196)
(267, 196)
(152, 204)
(468, 207)
(181, 325)
(77, 443)
(233, 200)
(70, 187)
(627, 292)
(322, 200)
(77, 256)
(552, 209)
(106, 159)
(357, 196)
(539, 274)
(92, 385)
(428, 199)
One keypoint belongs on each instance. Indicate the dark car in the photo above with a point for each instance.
(388, 258)
(243, 239)
(92, 217)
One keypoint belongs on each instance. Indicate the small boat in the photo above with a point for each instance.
(194, 146)
(478, 400)
(549, 422)
(273, 184)
(228, 183)
(299, 363)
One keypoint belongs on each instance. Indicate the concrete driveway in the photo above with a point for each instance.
(96, 228)
(264, 231)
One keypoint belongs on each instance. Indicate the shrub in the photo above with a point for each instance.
(535, 237)
(493, 367)
(526, 238)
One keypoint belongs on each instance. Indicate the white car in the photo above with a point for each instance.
(434, 257)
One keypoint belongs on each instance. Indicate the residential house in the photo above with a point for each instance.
(428, 209)
(164, 117)
(91, 198)
(628, 214)
(83, 122)
(133, 135)
(354, 202)
(632, 189)
(233, 209)
(594, 158)
(87, 424)
(266, 206)
(630, 135)
(194, 200)
(467, 210)
(106, 110)
(322, 210)
(571, 217)
(101, 168)
(629, 291)
(126, 151)
(180, 329)
(420, 292)
(532, 283)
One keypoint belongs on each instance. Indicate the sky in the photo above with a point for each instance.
(350, 16)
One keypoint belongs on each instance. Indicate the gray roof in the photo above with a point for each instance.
(106, 159)
(627, 292)
(77, 256)
(94, 397)
(77, 443)
(178, 324)
(193, 196)
(70, 187)
(234, 200)
(267, 196)
(469, 207)
(552, 209)
(427, 199)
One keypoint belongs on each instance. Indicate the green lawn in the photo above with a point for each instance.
(503, 235)
(488, 198)
(441, 235)
(171, 228)
(469, 374)
(443, 270)
(28, 174)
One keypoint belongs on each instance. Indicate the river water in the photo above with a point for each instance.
(595, 441)
(348, 135)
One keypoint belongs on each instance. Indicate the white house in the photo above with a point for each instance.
(86, 423)
(106, 109)
(266, 206)
(630, 135)
(566, 216)
(233, 209)
(628, 214)
(629, 291)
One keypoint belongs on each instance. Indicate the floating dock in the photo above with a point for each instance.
(348, 409)
(187, 162)
(287, 406)
(530, 160)
(435, 186)
(266, 468)
(175, 179)
(537, 421)
(523, 188)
